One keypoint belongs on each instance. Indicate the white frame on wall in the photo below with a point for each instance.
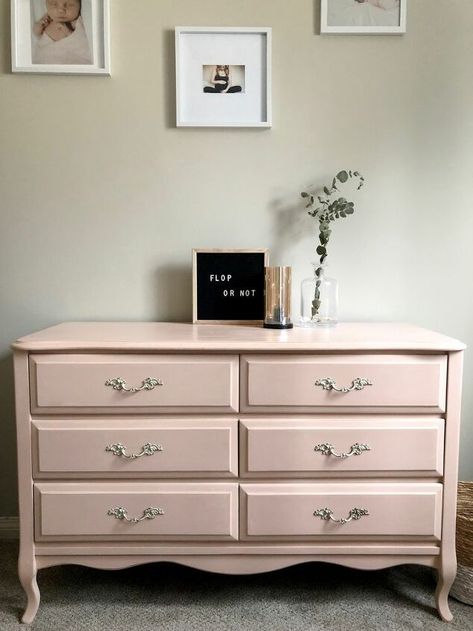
(21, 52)
(260, 116)
(363, 30)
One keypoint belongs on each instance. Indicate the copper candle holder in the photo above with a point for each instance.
(277, 298)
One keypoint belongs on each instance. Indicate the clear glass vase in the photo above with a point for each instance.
(319, 299)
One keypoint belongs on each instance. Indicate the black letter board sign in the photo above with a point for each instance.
(228, 286)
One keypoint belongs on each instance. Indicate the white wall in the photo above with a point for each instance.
(102, 198)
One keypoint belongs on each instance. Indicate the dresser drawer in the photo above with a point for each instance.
(183, 511)
(93, 383)
(104, 448)
(287, 510)
(354, 445)
(308, 383)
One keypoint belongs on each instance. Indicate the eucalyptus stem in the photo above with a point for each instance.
(325, 208)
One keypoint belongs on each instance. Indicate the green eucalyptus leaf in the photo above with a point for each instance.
(304, 194)
(321, 250)
(342, 177)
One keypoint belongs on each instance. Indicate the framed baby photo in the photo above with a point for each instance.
(61, 36)
(223, 77)
(228, 286)
(363, 16)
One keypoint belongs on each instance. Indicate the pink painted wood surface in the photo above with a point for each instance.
(208, 510)
(447, 567)
(73, 447)
(286, 510)
(218, 547)
(27, 567)
(241, 564)
(172, 336)
(270, 382)
(286, 446)
(273, 548)
(190, 382)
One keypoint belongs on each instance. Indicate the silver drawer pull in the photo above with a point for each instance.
(121, 513)
(330, 384)
(148, 449)
(147, 384)
(326, 449)
(355, 513)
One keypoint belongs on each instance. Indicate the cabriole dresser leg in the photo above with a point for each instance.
(446, 576)
(27, 574)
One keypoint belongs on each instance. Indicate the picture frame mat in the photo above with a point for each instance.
(201, 46)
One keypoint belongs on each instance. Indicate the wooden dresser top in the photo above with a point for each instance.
(171, 336)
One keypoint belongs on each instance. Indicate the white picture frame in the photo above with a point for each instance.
(32, 52)
(244, 52)
(369, 17)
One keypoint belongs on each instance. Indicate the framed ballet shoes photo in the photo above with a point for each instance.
(363, 16)
(61, 36)
(223, 77)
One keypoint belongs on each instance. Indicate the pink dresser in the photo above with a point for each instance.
(237, 449)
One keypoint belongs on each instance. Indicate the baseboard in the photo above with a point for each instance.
(9, 528)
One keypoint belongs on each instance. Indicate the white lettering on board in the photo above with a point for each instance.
(220, 278)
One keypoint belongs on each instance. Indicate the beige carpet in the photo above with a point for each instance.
(174, 598)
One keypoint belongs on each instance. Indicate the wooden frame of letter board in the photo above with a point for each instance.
(196, 251)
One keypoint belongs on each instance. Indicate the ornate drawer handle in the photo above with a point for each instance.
(147, 384)
(355, 514)
(149, 513)
(326, 449)
(330, 384)
(149, 449)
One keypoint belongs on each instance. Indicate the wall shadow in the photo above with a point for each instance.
(169, 74)
(173, 293)
(290, 224)
(317, 13)
(6, 40)
(8, 457)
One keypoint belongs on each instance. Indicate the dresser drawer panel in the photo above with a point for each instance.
(177, 511)
(287, 510)
(102, 448)
(312, 382)
(309, 447)
(188, 383)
